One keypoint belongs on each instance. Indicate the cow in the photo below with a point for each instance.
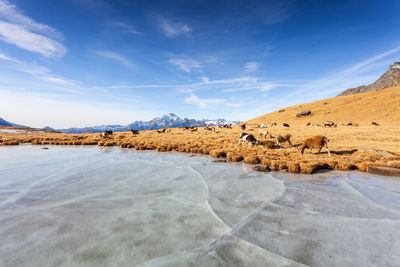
(161, 131)
(212, 129)
(106, 134)
(281, 139)
(249, 138)
(286, 125)
(317, 142)
(264, 133)
(243, 127)
(329, 124)
(262, 125)
(134, 132)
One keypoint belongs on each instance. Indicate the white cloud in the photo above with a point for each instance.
(205, 79)
(239, 80)
(185, 64)
(24, 32)
(260, 86)
(10, 13)
(269, 86)
(234, 105)
(125, 27)
(251, 66)
(127, 86)
(204, 103)
(171, 29)
(37, 43)
(5, 57)
(37, 71)
(116, 57)
(58, 80)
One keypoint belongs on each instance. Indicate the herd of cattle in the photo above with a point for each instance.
(316, 142)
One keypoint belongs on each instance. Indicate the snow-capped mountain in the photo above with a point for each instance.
(170, 120)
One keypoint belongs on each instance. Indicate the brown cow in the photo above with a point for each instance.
(281, 139)
(317, 142)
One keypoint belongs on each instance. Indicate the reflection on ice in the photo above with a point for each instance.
(88, 207)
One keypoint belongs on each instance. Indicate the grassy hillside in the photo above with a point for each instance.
(381, 106)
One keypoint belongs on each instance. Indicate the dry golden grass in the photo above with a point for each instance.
(352, 148)
(381, 106)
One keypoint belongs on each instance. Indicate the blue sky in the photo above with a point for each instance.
(90, 62)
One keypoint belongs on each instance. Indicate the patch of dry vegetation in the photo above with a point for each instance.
(352, 148)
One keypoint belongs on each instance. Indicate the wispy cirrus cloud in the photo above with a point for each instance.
(38, 71)
(373, 59)
(22, 31)
(125, 28)
(204, 103)
(173, 29)
(116, 57)
(251, 66)
(360, 73)
(240, 83)
(10, 13)
(186, 65)
(237, 80)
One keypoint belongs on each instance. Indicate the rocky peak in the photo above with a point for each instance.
(391, 78)
(395, 65)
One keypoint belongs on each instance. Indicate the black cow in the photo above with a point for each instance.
(134, 132)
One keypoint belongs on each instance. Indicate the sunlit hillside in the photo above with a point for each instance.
(381, 106)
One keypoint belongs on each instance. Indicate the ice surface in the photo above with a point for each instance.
(90, 206)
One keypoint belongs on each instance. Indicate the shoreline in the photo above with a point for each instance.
(222, 147)
(276, 174)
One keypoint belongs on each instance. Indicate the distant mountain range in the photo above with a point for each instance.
(170, 120)
(7, 123)
(391, 78)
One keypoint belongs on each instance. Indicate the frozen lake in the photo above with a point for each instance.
(90, 206)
